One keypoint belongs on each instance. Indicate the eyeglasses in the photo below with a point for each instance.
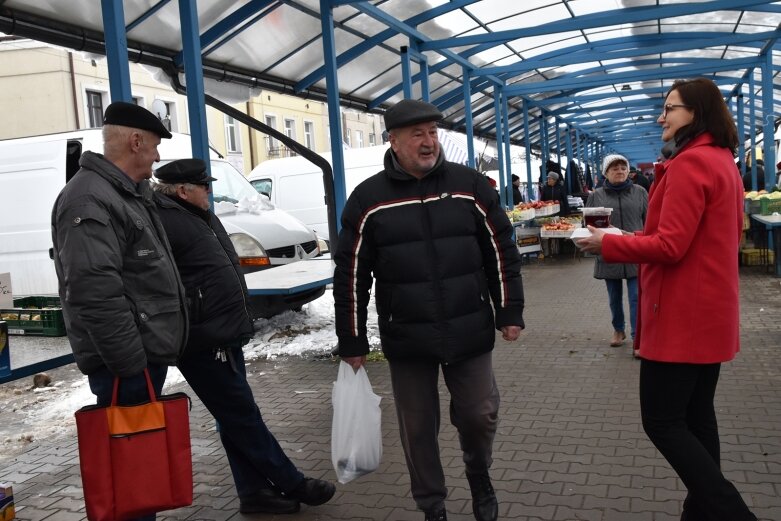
(672, 106)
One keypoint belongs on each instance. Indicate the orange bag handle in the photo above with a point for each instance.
(134, 419)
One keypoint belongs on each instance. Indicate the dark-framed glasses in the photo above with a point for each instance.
(672, 106)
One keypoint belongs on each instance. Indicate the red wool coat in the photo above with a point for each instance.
(688, 251)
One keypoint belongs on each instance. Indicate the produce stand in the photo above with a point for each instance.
(527, 238)
(773, 223)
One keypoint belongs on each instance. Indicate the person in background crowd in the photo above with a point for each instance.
(760, 176)
(629, 202)
(639, 179)
(778, 174)
(554, 191)
(517, 195)
(689, 319)
(122, 299)
(213, 362)
(438, 243)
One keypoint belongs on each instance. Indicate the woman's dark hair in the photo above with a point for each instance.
(710, 112)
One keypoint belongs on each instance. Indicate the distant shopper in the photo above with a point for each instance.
(689, 321)
(517, 195)
(213, 362)
(629, 202)
(639, 178)
(122, 300)
(553, 190)
(435, 239)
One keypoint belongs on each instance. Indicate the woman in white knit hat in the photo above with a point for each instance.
(629, 203)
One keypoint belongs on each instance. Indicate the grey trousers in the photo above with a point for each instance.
(474, 405)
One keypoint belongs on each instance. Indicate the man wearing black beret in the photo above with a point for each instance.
(122, 299)
(213, 362)
(434, 237)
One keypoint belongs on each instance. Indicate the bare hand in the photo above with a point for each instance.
(354, 361)
(510, 333)
(592, 244)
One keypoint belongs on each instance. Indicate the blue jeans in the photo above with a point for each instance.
(616, 299)
(255, 457)
(132, 390)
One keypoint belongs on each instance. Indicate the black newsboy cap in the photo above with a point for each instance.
(131, 115)
(410, 112)
(184, 171)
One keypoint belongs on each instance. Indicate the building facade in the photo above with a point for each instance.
(49, 89)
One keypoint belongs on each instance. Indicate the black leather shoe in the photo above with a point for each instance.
(267, 501)
(313, 491)
(437, 514)
(484, 505)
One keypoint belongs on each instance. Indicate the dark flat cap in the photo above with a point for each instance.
(131, 115)
(184, 171)
(410, 112)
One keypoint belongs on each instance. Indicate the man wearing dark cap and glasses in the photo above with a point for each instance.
(434, 237)
(122, 299)
(213, 362)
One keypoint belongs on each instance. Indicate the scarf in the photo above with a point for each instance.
(620, 186)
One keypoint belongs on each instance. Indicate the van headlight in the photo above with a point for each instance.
(322, 245)
(250, 252)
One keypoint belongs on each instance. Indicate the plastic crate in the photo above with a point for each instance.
(754, 257)
(34, 316)
(769, 206)
(751, 206)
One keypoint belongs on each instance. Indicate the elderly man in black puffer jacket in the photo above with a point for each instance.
(436, 240)
(213, 362)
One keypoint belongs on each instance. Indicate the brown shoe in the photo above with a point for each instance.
(618, 339)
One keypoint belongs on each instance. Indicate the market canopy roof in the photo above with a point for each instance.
(600, 67)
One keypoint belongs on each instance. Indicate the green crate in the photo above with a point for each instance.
(35, 316)
(768, 206)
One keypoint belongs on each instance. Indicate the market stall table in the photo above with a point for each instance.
(773, 223)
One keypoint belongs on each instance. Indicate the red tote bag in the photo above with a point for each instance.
(135, 460)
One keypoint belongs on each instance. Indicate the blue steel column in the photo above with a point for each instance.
(470, 144)
(558, 145)
(752, 128)
(528, 151)
(741, 133)
(406, 73)
(569, 160)
(334, 115)
(193, 71)
(586, 173)
(768, 129)
(507, 185)
(116, 50)
(499, 134)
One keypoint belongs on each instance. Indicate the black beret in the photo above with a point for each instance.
(410, 112)
(131, 115)
(183, 171)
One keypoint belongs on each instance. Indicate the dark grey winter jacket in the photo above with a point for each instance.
(629, 209)
(122, 299)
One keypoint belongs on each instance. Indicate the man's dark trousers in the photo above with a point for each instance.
(256, 459)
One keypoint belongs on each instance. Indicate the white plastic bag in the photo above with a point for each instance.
(356, 436)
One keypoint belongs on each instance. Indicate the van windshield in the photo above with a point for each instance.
(230, 185)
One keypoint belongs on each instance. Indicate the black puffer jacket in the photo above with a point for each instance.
(209, 267)
(440, 249)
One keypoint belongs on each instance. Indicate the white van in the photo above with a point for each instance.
(33, 171)
(296, 185)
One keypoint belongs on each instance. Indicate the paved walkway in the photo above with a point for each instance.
(570, 445)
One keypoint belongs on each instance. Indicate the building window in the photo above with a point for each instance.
(232, 137)
(95, 108)
(272, 147)
(290, 128)
(309, 135)
(348, 138)
(358, 139)
(372, 139)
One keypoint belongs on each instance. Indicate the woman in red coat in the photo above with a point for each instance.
(689, 316)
